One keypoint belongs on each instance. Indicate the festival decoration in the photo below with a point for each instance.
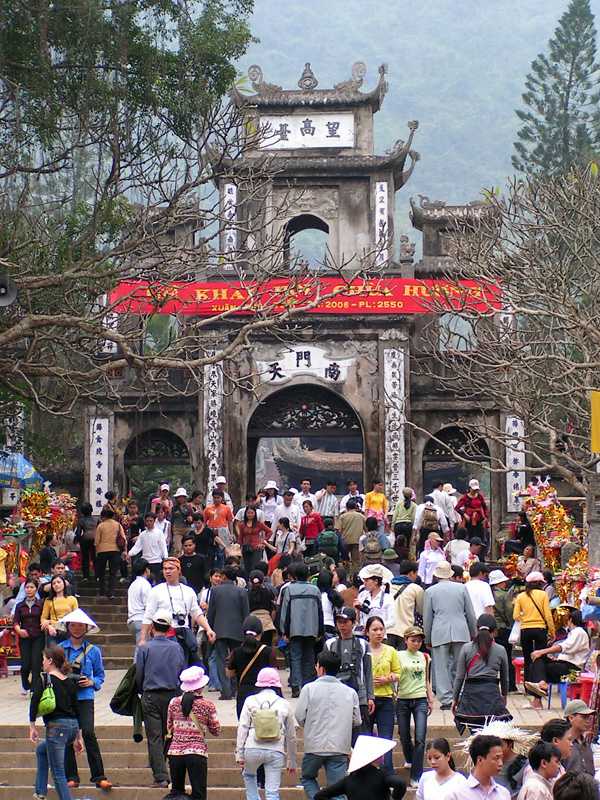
(571, 582)
(44, 512)
(552, 525)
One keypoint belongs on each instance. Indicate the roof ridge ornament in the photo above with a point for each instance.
(308, 82)
(255, 74)
(359, 70)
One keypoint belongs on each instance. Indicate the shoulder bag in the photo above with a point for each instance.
(251, 662)
(47, 702)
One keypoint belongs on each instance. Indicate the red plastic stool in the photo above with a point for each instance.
(518, 664)
(586, 680)
(574, 691)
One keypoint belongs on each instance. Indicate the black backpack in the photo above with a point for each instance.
(348, 673)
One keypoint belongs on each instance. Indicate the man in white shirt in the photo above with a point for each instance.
(137, 596)
(287, 508)
(443, 501)
(221, 485)
(327, 502)
(152, 545)
(429, 504)
(305, 494)
(457, 549)
(175, 599)
(353, 494)
(479, 590)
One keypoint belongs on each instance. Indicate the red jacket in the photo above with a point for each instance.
(311, 526)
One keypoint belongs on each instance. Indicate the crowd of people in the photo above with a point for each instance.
(376, 610)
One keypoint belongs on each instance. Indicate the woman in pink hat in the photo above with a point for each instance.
(187, 718)
(266, 735)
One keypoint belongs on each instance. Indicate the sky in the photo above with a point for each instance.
(457, 66)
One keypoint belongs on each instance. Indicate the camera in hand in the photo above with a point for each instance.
(179, 621)
(76, 673)
(365, 607)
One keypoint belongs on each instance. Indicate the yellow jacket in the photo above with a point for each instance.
(533, 611)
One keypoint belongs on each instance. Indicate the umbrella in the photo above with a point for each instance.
(16, 472)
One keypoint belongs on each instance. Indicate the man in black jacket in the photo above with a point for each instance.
(227, 610)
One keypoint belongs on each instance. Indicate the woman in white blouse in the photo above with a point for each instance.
(430, 558)
(269, 503)
(569, 655)
(442, 778)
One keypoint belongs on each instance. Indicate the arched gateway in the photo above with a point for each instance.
(304, 431)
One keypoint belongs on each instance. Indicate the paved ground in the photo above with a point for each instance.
(14, 708)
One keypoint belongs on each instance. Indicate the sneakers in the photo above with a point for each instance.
(37, 796)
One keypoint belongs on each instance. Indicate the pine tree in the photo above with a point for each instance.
(560, 126)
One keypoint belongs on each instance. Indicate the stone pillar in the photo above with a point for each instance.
(394, 420)
(212, 423)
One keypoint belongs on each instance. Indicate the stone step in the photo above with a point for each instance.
(109, 638)
(119, 650)
(143, 793)
(228, 777)
(118, 662)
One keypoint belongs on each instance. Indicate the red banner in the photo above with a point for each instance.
(325, 295)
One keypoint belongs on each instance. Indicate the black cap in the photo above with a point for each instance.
(487, 621)
(347, 613)
(476, 540)
(252, 625)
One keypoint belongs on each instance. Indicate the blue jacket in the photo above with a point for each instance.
(91, 666)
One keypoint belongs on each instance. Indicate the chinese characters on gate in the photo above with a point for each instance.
(230, 214)
(515, 461)
(381, 222)
(312, 129)
(313, 361)
(99, 460)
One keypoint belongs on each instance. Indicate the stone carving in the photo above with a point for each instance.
(293, 410)
(255, 74)
(320, 200)
(308, 82)
(393, 384)
(359, 70)
(407, 248)
(213, 426)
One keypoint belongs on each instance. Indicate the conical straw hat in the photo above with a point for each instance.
(368, 749)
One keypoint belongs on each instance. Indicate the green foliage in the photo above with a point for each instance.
(102, 63)
(560, 125)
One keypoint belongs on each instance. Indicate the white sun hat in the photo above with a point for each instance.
(473, 484)
(497, 576)
(165, 487)
(220, 479)
(78, 615)
(376, 571)
(522, 740)
(368, 749)
(181, 492)
(271, 485)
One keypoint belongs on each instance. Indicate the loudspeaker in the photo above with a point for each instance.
(8, 291)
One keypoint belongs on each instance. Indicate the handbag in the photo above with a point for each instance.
(47, 702)
(514, 637)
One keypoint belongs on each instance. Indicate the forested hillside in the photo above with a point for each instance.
(458, 66)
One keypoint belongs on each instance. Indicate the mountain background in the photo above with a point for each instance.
(457, 66)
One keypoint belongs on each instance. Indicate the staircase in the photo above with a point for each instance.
(126, 764)
(111, 617)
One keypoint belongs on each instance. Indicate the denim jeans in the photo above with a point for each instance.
(51, 753)
(222, 649)
(302, 660)
(414, 752)
(273, 762)
(213, 672)
(135, 628)
(335, 769)
(383, 717)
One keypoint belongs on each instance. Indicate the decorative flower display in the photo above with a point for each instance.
(552, 525)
